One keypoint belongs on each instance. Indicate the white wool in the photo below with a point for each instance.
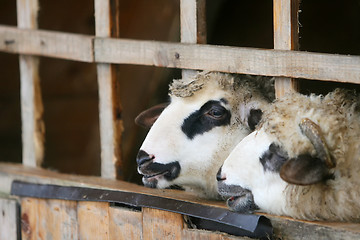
(337, 114)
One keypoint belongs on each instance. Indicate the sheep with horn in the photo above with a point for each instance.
(302, 161)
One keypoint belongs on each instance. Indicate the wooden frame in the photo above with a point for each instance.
(107, 50)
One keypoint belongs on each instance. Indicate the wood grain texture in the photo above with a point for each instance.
(9, 222)
(124, 223)
(296, 64)
(46, 43)
(192, 25)
(286, 31)
(48, 219)
(111, 125)
(93, 220)
(158, 224)
(33, 128)
(282, 63)
(9, 172)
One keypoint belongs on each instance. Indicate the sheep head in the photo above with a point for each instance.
(192, 135)
(289, 147)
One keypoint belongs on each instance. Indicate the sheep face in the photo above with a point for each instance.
(188, 142)
(253, 168)
(294, 158)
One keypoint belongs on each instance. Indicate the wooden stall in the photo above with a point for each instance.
(36, 203)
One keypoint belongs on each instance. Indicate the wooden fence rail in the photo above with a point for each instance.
(281, 63)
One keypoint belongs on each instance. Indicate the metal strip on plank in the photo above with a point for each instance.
(247, 224)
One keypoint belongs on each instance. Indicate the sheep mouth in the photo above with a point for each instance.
(238, 199)
(156, 176)
(154, 172)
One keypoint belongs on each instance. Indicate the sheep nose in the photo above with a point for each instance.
(143, 157)
(219, 176)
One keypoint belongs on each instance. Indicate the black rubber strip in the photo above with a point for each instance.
(211, 218)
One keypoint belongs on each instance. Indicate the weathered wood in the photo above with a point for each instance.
(48, 219)
(158, 224)
(93, 220)
(124, 223)
(33, 128)
(9, 172)
(208, 235)
(193, 21)
(297, 64)
(192, 25)
(286, 29)
(111, 126)
(9, 222)
(46, 43)
(289, 229)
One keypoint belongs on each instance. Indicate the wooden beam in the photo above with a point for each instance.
(297, 64)
(286, 29)
(111, 125)
(268, 62)
(192, 25)
(68, 46)
(33, 128)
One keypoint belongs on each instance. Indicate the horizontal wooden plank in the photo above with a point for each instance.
(283, 63)
(10, 172)
(280, 63)
(46, 43)
(226, 220)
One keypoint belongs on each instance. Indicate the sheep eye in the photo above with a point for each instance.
(216, 112)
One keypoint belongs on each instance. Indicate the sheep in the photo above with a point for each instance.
(189, 138)
(302, 161)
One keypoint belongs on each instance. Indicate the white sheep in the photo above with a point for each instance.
(302, 161)
(207, 115)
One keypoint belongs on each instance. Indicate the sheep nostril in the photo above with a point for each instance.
(219, 176)
(143, 157)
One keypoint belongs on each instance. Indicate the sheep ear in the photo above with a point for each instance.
(147, 118)
(304, 170)
(254, 118)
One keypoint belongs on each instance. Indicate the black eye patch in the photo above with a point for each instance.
(273, 158)
(210, 115)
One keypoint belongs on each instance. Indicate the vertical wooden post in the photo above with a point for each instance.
(286, 30)
(192, 24)
(9, 221)
(33, 128)
(111, 126)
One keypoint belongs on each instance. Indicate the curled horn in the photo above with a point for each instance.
(312, 131)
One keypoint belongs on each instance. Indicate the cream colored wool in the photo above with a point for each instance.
(338, 116)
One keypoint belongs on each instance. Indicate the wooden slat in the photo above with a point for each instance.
(111, 125)
(158, 224)
(48, 219)
(33, 128)
(192, 25)
(46, 43)
(93, 220)
(297, 64)
(9, 222)
(9, 172)
(124, 224)
(286, 30)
